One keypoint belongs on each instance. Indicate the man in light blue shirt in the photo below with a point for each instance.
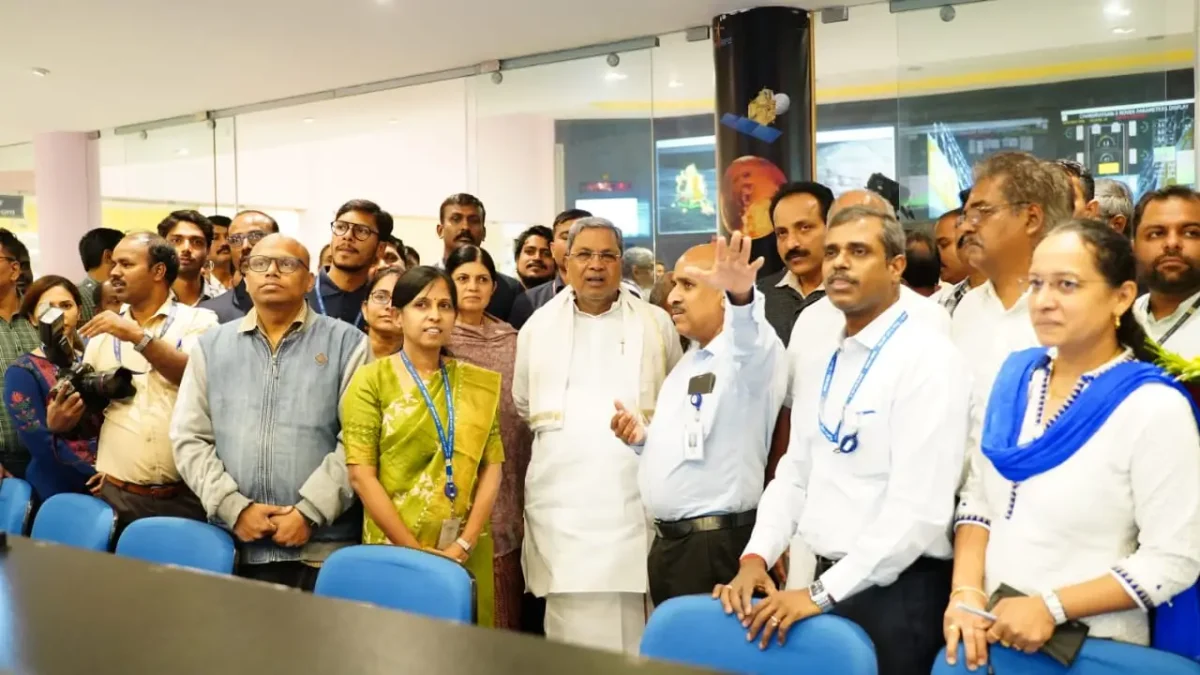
(704, 459)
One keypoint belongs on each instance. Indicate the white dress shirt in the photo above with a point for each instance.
(890, 501)
(819, 329)
(1185, 341)
(750, 366)
(1127, 503)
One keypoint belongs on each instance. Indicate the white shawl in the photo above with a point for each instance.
(551, 340)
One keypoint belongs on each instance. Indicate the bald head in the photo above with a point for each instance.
(701, 256)
(277, 274)
(696, 308)
(865, 198)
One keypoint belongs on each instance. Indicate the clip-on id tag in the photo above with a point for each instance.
(450, 530)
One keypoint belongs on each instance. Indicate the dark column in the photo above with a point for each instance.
(766, 116)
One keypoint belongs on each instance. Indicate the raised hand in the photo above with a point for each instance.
(731, 271)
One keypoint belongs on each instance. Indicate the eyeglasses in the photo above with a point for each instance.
(252, 237)
(380, 298)
(585, 257)
(361, 232)
(978, 214)
(285, 264)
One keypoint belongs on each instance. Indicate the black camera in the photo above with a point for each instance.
(96, 388)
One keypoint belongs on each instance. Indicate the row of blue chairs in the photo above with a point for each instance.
(386, 576)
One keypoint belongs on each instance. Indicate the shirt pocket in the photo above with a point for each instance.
(870, 456)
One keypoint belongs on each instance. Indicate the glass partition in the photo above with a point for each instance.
(18, 206)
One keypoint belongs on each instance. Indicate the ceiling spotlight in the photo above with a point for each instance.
(1115, 10)
(674, 83)
(1122, 31)
(613, 60)
(39, 72)
(309, 120)
(182, 152)
(614, 76)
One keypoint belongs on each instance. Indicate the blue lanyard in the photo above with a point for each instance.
(850, 442)
(166, 327)
(321, 310)
(447, 440)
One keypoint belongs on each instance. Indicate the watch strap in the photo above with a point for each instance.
(820, 597)
(463, 544)
(1054, 604)
(144, 342)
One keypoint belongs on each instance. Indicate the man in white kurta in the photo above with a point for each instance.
(586, 533)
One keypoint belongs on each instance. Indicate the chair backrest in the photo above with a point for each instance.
(695, 630)
(178, 541)
(16, 500)
(75, 520)
(400, 578)
(1098, 657)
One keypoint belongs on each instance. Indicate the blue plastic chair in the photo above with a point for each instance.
(696, 631)
(178, 541)
(400, 578)
(16, 501)
(75, 520)
(1098, 657)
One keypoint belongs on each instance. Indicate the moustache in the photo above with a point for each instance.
(223, 250)
(797, 254)
(838, 276)
(1176, 256)
(677, 309)
(536, 264)
(968, 239)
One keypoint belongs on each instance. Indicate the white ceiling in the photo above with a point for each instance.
(115, 63)
(138, 60)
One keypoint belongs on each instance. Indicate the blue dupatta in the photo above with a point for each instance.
(1176, 623)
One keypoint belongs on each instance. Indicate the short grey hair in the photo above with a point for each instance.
(1115, 199)
(893, 237)
(636, 258)
(594, 223)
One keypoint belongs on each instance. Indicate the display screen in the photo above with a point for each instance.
(1146, 145)
(630, 214)
(846, 158)
(687, 185)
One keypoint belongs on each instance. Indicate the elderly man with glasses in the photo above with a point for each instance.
(247, 229)
(256, 429)
(361, 232)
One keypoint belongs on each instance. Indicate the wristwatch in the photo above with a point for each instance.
(1055, 606)
(144, 342)
(820, 597)
(462, 543)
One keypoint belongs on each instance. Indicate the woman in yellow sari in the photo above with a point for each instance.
(422, 438)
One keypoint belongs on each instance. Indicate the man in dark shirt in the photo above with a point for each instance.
(247, 229)
(361, 232)
(95, 252)
(798, 213)
(463, 220)
(529, 301)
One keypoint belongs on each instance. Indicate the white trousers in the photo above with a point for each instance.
(609, 621)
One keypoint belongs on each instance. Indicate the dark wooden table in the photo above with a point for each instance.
(67, 611)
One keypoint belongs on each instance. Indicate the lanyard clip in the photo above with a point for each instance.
(697, 399)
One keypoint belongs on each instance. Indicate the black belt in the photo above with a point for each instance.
(823, 565)
(682, 528)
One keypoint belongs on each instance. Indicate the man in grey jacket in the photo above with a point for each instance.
(256, 429)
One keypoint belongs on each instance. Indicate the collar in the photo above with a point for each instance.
(790, 280)
(616, 306)
(204, 295)
(1141, 308)
(558, 284)
(989, 293)
(303, 319)
(873, 332)
(328, 288)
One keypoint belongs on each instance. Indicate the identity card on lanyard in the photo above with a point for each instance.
(451, 526)
(693, 429)
(845, 436)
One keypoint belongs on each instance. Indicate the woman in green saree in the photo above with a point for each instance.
(425, 458)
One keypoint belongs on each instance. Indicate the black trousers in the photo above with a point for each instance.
(293, 574)
(904, 620)
(695, 563)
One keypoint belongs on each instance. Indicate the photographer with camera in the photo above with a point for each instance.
(51, 418)
(151, 337)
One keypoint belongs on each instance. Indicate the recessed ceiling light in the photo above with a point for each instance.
(182, 152)
(614, 76)
(674, 84)
(1116, 10)
(383, 3)
(39, 72)
(1122, 31)
(393, 121)
(309, 120)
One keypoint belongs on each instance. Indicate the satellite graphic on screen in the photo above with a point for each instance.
(760, 115)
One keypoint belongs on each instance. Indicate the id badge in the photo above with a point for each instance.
(693, 441)
(450, 530)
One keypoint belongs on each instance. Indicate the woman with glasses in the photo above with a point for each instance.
(51, 421)
(1085, 498)
(383, 327)
(422, 437)
(488, 342)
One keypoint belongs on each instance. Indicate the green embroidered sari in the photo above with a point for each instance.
(390, 428)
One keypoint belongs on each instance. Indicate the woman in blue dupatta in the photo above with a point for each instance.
(1086, 495)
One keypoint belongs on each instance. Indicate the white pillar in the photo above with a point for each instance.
(66, 178)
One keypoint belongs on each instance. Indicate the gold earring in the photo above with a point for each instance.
(1117, 321)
